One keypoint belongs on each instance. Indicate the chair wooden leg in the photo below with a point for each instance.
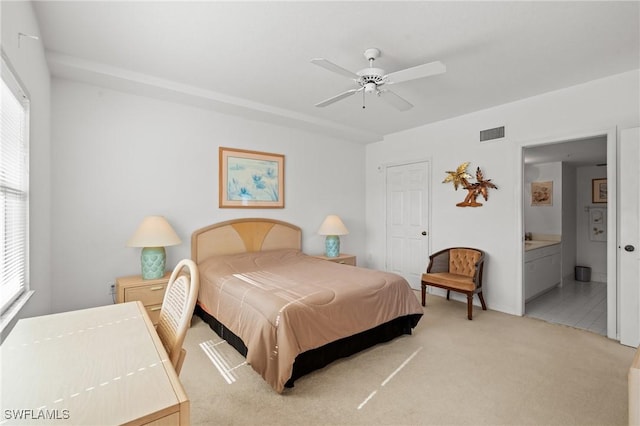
(448, 291)
(424, 291)
(469, 306)
(484, 306)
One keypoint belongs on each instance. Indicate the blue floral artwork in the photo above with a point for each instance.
(251, 179)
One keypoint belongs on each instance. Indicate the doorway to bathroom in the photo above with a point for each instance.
(565, 223)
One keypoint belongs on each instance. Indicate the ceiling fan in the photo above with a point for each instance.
(372, 80)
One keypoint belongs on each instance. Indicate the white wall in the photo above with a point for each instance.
(589, 253)
(118, 157)
(543, 219)
(495, 227)
(29, 62)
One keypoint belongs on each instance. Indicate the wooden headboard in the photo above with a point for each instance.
(243, 235)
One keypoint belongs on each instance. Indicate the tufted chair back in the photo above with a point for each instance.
(462, 261)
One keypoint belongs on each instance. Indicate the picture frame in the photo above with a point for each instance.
(542, 193)
(250, 179)
(599, 191)
(598, 223)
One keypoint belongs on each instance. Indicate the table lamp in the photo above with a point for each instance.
(332, 227)
(153, 234)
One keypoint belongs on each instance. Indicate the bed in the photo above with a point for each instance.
(289, 313)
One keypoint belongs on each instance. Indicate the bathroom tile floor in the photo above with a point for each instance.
(577, 304)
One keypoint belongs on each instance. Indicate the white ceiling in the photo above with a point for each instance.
(253, 58)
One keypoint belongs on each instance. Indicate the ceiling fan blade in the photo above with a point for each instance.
(333, 67)
(338, 97)
(419, 71)
(395, 100)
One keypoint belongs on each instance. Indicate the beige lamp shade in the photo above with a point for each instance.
(154, 231)
(332, 225)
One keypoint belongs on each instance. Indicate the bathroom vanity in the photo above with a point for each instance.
(542, 267)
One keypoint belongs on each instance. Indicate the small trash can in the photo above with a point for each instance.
(583, 273)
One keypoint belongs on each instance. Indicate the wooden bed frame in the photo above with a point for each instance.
(254, 234)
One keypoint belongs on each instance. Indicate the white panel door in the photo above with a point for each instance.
(629, 236)
(407, 220)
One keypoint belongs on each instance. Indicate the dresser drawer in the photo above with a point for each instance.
(148, 295)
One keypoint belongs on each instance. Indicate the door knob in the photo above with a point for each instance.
(629, 248)
(424, 232)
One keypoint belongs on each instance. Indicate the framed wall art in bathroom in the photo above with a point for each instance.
(599, 190)
(542, 193)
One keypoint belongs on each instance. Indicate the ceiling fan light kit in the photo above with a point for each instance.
(371, 79)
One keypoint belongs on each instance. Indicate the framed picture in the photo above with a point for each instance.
(599, 190)
(542, 193)
(598, 223)
(250, 179)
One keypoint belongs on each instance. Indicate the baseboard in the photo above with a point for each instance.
(596, 277)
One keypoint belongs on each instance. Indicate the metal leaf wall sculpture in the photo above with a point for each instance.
(481, 186)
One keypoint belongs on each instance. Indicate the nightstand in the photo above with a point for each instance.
(149, 292)
(345, 259)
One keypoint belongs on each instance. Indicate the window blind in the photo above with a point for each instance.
(14, 188)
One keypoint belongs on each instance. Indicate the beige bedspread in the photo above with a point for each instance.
(282, 303)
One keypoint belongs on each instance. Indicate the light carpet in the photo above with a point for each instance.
(498, 369)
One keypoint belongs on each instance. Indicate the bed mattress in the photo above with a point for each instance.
(282, 303)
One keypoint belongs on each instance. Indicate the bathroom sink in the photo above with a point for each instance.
(534, 244)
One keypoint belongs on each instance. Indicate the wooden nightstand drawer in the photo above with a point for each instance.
(148, 294)
(345, 259)
(154, 312)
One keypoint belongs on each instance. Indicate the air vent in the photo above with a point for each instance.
(492, 134)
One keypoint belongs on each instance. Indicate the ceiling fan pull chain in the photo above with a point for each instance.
(363, 99)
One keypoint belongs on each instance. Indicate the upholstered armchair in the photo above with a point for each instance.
(458, 269)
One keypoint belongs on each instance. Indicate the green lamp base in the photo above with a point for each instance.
(153, 262)
(332, 246)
